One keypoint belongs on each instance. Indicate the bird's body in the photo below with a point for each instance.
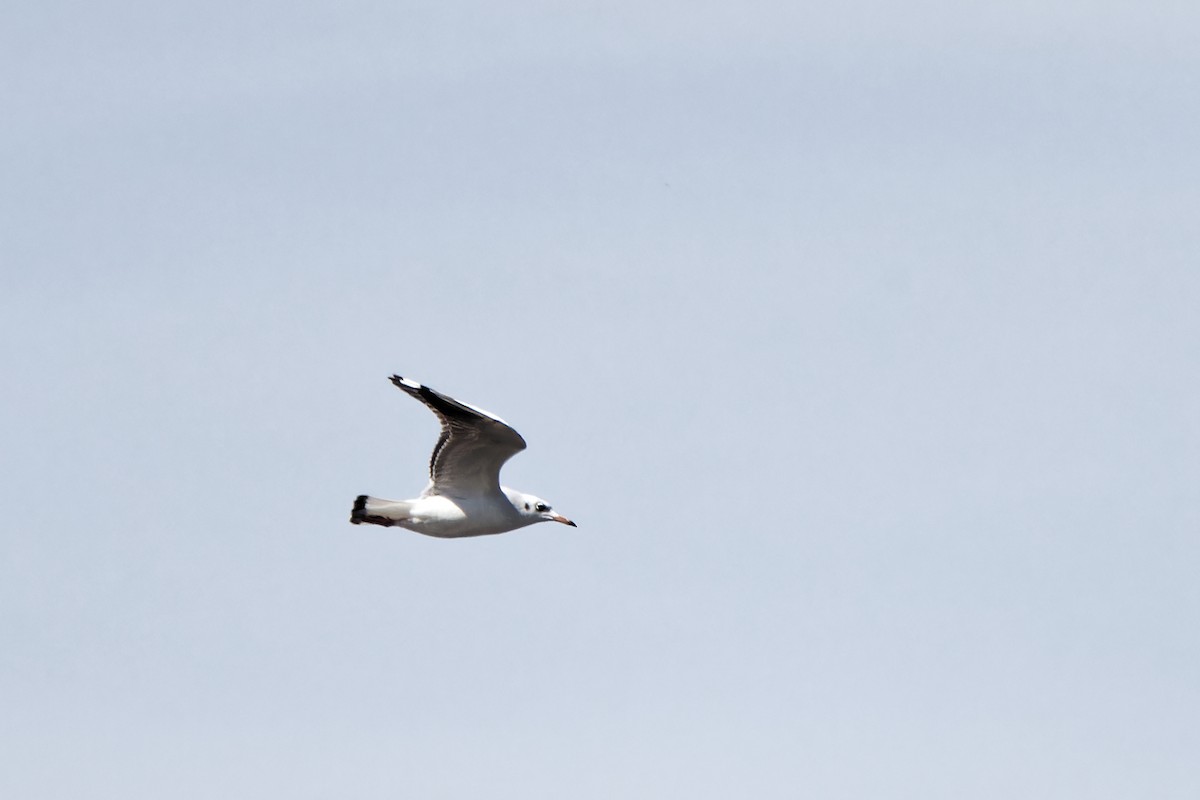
(464, 496)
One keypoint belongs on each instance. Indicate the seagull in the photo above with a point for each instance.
(464, 496)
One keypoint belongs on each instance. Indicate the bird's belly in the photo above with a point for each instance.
(447, 518)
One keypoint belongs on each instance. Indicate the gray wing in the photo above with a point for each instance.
(472, 448)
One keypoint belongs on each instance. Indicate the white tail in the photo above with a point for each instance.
(374, 511)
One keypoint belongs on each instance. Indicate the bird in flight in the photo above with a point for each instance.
(464, 496)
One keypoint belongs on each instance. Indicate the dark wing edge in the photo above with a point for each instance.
(472, 421)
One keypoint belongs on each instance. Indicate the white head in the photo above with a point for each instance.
(534, 509)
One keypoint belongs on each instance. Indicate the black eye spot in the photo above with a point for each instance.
(527, 506)
(541, 507)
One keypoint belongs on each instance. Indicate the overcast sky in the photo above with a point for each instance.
(861, 339)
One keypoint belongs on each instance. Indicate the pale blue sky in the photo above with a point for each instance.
(860, 339)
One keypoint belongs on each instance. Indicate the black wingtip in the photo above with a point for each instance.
(360, 510)
(359, 514)
(407, 384)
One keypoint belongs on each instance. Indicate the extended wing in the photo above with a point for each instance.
(472, 448)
